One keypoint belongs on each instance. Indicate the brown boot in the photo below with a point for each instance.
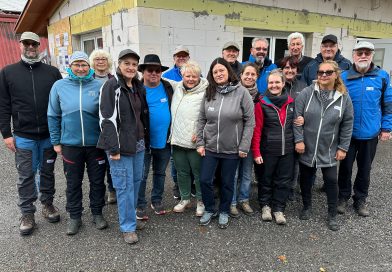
(130, 237)
(27, 224)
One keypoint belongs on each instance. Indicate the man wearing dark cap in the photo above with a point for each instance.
(180, 56)
(371, 93)
(230, 52)
(159, 94)
(329, 50)
(24, 95)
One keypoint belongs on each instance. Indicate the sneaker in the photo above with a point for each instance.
(332, 223)
(141, 214)
(158, 208)
(193, 190)
(305, 214)
(279, 218)
(130, 237)
(342, 206)
(100, 222)
(176, 192)
(266, 213)
(206, 218)
(140, 224)
(246, 208)
(200, 208)
(27, 224)
(73, 226)
(112, 198)
(223, 220)
(234, 211)
(51, 213)
(362, 209)
(180, 207)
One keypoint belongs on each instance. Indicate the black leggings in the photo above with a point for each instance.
(330, 181)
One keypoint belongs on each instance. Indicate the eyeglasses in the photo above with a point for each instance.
(100, 59)
(27, 44)
(152, 70)
(367, 53)
(327, 72)
(83, 66)
(260, 49)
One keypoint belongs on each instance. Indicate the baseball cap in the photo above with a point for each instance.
(179, 49)
(126, 52)
(231, 44)
(29, 36)
(364, 44)
(330, 38)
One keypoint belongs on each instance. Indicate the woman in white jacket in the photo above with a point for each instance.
(185, 108)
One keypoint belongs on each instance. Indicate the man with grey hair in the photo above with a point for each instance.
(259, 56)
(24, 95)
(371, 93)
(230, 52)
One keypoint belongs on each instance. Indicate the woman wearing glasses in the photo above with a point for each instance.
(74, 130)
(325, 136)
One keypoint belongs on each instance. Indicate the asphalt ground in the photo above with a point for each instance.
(175, 242)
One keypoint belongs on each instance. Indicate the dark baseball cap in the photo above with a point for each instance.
(129, 52)
(330, 38)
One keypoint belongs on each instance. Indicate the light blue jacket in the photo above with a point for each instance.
(73, 111)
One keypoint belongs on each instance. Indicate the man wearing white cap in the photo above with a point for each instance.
(371, 94)
(24, 94)
(180, 56)
(230, 52)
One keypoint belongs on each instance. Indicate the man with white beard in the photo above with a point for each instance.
(371, 95)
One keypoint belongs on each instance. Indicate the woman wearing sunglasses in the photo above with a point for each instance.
(325, 136)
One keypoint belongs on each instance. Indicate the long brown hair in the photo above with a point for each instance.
(339, 84)
(211, 89)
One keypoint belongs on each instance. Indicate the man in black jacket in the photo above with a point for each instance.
(24, 94)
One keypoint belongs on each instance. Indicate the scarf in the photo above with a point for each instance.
(30, 61)
(253, 91)
(278, 101)
(226, 88)
(326, 97)
(73, 76)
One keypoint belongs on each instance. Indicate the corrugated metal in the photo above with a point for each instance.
(9, 42)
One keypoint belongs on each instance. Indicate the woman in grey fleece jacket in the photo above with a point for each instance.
(224, 133)
(325, 136)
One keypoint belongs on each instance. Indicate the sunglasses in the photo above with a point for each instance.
(327, 72)
(27, 44)
(152, 70)
(366, 52)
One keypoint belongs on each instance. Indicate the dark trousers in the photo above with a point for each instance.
(331, 186)
(74, 161)
(275, 184)
(227, 174)
(108, 175)
(363, 151)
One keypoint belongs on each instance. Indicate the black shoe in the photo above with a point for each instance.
(141, 214)
(332, 223)
(100, 222)
(342, 206)
(176, 192)
(73, 226)
(305, 214)
(158, 208)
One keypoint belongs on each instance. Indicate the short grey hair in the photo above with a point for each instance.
(256, 39)
(191, 66)
(103, 54)
(295, 35)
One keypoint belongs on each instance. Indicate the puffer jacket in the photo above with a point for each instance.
(226, 122)
(310, 72)
(324, 130)
(371, 95)
(73, 117)
(185, 109)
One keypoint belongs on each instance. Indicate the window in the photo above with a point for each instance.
(91, 41)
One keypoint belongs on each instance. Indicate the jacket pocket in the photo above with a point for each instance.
(119, 178)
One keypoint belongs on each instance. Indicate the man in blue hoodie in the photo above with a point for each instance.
(259, 56)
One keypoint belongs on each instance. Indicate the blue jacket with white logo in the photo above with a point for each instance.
(73, 112)
(264, 72)
(371, 95)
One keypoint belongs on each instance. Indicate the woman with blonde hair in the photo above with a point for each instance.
(325, 136)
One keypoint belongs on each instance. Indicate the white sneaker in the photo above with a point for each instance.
(266, 213)
(279, 218)
(200, 208)
(180, 207)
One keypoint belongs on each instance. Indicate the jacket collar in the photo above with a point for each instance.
(335, 96)
(352, 73)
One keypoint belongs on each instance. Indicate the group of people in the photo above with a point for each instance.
(282, 123)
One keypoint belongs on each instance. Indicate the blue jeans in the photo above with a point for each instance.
(127, 174)
(33, 157)
(160, 159)
(243, 179)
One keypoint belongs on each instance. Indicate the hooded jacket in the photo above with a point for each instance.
(324, 130)
(310, 72)
(24, 96)
(73, 112)
(173, 74)
(226, 122)
(371, 95)
(268, 66)
(295, 87)
(185, 110)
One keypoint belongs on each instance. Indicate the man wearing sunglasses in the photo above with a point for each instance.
(329, 50)
(24, 94)
(371, 94)
(159, 94)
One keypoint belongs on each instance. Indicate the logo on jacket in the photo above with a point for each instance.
(163, 100)
(92, 93)
(369, 88)
(210, 109)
